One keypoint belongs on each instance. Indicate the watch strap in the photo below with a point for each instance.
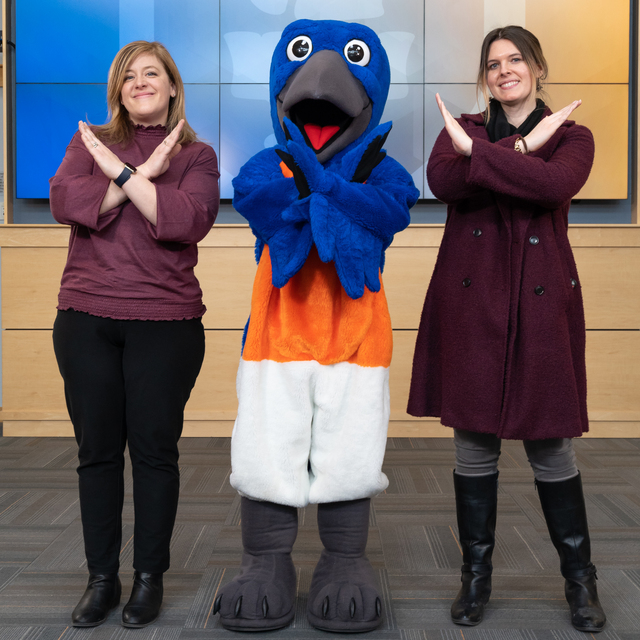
(127, 172)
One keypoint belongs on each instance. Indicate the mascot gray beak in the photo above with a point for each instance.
(326, 102)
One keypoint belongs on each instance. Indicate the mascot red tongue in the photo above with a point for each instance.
(319, 136)
(313, 381)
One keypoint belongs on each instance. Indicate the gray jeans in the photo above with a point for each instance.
(477, 454)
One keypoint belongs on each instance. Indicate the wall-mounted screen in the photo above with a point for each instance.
(223, 49)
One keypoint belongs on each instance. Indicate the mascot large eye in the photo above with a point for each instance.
(299, 48)
(357, 52)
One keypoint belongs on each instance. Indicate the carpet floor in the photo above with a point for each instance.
(412, 545)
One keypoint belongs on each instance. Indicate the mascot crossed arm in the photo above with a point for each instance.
(313, 381)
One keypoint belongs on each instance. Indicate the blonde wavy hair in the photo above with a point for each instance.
(119, 129)
(528, 46)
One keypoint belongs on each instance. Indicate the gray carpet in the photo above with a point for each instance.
(412, 543)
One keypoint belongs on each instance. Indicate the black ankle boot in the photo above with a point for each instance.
(344, 596)
(145, 601)
(262, 596)
(476, 508)
(564, 510)
(101, 596)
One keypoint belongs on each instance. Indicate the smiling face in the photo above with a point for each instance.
(146, 91)
(509, 78)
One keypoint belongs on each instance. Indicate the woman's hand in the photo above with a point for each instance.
(158, 161)
(110, 164)
(462, 143)
(548, 126)
(108, 161)
(139, 189)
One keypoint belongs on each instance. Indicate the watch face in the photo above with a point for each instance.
(130, 167)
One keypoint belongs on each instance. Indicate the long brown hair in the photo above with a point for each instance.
(528, 46)
(119, 128)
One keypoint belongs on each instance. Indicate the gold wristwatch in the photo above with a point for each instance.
(521, 146)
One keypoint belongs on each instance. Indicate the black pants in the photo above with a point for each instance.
(127, 380)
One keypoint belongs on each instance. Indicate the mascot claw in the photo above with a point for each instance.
(250, 611)
(343, 596)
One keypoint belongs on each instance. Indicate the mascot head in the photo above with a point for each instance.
(331, 79)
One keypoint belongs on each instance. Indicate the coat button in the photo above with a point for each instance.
(477, 232)
(539, 290)
(534, 240)
(466, 282)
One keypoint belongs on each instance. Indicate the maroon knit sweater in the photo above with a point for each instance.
(119, 265)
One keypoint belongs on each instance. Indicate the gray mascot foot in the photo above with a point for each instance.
(262, 596)
(344, 594)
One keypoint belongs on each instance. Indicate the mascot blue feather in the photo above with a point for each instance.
(349, 198)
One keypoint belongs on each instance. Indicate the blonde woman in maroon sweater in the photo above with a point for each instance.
(139, 193)
(500, 351)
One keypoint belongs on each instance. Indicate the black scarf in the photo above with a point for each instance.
(498, 127)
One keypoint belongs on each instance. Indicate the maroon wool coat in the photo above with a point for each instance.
(501, 342)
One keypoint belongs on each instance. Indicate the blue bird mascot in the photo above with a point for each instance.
(313, 382)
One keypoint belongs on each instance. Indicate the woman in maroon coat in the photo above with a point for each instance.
(500, 351)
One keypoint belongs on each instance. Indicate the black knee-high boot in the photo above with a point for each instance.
(564, 510)
(262, 596)
(476, 508)
(344, 595)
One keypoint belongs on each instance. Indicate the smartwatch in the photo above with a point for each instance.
(127, 172)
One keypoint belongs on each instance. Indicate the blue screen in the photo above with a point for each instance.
(63, 53)
(42, 142)
(223, 50)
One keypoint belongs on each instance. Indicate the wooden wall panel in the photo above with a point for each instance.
(610, 286)
(400, 373)
(214, 395)
(33, 389)
(31, 382)
(34, 399)
(608, 260)
(406, 277)
(31, 280)
(30, 376)
(613, 375)
(226, 277)
(30, 285)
